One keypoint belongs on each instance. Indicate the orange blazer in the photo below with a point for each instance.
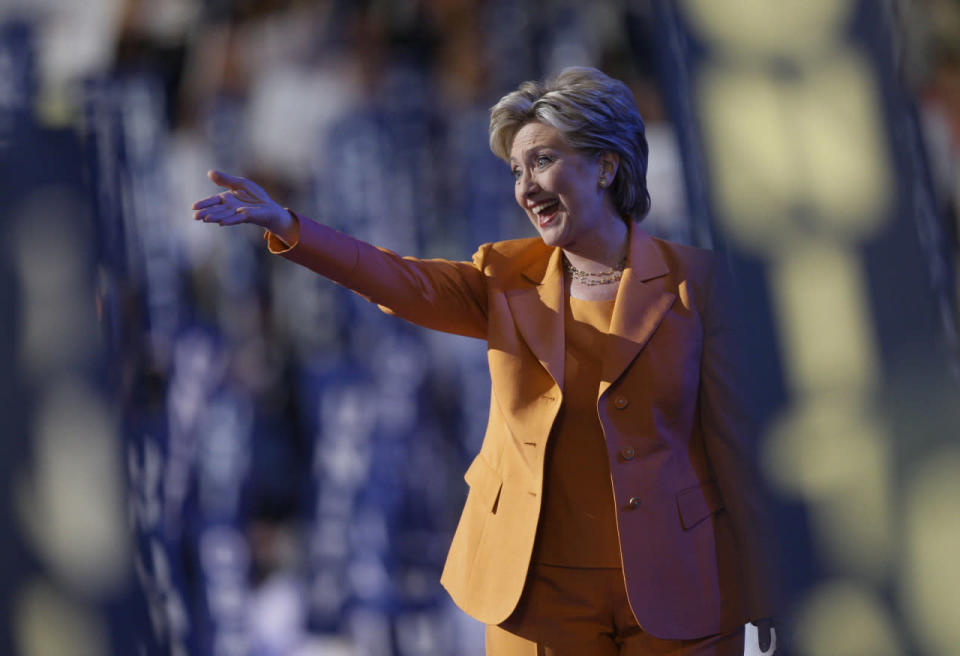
(672, 407)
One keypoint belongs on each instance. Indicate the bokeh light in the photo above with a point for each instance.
(211, 451)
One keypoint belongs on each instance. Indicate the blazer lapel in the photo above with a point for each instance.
(639, 308)
(538, 312)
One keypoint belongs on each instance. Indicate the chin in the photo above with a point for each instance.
(550, 238)
(553, 242)
(552, 234)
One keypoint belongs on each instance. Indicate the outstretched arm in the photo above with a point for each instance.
(437, 294)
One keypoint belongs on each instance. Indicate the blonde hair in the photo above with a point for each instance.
(594, 113)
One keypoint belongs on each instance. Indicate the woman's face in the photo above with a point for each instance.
(556, 186)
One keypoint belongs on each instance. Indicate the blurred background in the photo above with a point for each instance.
(207, 450)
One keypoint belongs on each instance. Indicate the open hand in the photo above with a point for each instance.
(243, 202)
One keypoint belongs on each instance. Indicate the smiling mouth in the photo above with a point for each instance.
(546, 211)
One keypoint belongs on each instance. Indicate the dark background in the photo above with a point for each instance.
(207, 450)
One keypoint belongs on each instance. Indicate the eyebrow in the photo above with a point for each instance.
(526, 153)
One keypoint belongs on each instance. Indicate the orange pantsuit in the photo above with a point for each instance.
(670, 404)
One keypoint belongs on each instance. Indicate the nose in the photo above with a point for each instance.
(527, 185)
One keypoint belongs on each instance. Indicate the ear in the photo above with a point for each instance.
(609, 162)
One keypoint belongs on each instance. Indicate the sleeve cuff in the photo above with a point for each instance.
(276, 244)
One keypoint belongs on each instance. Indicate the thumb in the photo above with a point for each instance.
(224, 180)
(764, 633)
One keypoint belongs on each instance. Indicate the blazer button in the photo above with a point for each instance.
(620, 402)
(628, 452)
(633, 502)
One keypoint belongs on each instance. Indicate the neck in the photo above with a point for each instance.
(600, 250)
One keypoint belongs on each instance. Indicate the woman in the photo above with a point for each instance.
(612, 507)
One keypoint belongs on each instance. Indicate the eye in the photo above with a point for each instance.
(516, 173)
(542, 161)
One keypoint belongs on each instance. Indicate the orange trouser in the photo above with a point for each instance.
(571, 611)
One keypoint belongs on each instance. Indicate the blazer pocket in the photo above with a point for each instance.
(484, 482)
(697, 503)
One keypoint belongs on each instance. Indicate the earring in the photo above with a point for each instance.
(603, 182)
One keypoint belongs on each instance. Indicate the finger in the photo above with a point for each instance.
(237, 217)
(216, 215)
(204, 214)
(206, 202)
(763, 633)
(228, 201)
(224, 180)
(764, 637)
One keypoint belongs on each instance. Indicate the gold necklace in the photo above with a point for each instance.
(593, 279)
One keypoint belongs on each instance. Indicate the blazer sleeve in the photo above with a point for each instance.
(438, 294)
(729, 428)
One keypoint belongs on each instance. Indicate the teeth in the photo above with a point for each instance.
(536, 209)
